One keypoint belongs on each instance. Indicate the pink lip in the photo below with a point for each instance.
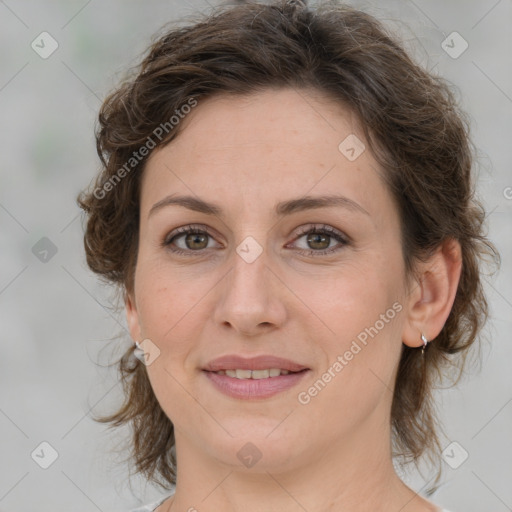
(254, 388)
(263, 362)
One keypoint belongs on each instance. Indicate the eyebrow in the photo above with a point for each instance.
(283, 208)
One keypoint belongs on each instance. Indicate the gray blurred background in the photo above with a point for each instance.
(57, 320)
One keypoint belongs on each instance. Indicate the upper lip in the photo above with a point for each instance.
(263, 362)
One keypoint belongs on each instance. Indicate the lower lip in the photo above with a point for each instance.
(248, 389)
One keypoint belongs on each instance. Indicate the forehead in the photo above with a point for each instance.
(255, 150)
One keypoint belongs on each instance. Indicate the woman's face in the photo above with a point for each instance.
(256, 280)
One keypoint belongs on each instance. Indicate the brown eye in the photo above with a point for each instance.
(188, 239)
(318, 241)
(196, 240)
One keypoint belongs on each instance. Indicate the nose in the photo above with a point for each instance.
(251, 298)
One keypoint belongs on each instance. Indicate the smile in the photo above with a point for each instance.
(253, 374)
(254, 384)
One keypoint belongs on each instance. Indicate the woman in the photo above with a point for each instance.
(286, 203)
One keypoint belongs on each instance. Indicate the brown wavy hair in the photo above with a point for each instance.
(414, 128)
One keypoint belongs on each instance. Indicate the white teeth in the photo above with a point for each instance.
(243, 374)
(253, 374)
(261, 374)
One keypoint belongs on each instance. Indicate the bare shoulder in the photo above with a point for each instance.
(161, 505)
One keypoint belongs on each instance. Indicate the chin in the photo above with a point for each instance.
(254, 450)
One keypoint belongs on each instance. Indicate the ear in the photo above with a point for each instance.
(132, 317)
(431, 297)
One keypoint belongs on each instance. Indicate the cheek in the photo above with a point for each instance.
(166, 307)
(361, 316)
(352, 300)
(357, 371)
(174, 310)
(165, 297)
(170, 313)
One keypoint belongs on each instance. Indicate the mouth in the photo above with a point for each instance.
(251, 388)
(261, 363)
(254, 378)
(269, 373)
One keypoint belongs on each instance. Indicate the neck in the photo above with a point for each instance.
(352, 474)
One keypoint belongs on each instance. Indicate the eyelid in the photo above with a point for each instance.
(186, 229)
(322, 228)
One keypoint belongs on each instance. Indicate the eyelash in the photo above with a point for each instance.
(199, 229)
